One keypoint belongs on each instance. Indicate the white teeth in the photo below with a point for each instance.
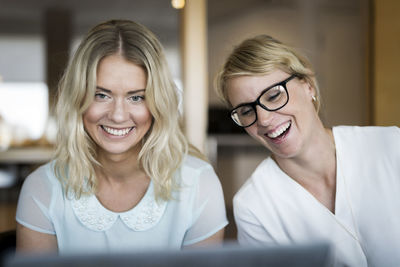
(279, 131)
(117, 132)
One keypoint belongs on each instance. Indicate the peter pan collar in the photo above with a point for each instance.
(145, 215)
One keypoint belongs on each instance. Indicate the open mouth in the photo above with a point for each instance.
(117, 132)
(280, 132)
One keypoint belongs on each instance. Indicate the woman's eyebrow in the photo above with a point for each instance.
(103, 89)
(109, 91)
(136, 91)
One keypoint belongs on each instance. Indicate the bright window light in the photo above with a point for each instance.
(25, 107)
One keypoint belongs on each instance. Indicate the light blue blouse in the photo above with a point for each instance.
(196, 212)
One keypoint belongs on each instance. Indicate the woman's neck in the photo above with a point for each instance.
(315, 167)
(120, 167)
(121, 184)
(318, 156)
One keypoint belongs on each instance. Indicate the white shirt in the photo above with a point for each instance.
(365, 229)
(196, 212)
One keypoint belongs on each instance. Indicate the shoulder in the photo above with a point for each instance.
(195, 171)
(371, 138)
(257, 182)
(366, 131)
(40, 186)
(245, 193)
(194, 167)
(41, 176)
(194, 163)
(41, 181)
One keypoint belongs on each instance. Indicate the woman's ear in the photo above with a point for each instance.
(312, 95)
(310, 91)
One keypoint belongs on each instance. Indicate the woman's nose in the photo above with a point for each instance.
(263, 116)
(119, 112)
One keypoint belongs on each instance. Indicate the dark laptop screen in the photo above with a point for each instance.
(299, 255)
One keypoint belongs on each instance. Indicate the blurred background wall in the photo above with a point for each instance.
(353, 45)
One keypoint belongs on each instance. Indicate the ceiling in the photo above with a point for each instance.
(27, 16)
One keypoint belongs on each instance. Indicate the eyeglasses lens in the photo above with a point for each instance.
(272, 99)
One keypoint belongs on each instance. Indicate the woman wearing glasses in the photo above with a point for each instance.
(124, 177)
(341, 184)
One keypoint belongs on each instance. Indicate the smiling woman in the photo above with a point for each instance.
(337, 184)
(118, 118)
(124, 176)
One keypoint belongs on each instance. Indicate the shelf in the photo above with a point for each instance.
(26, 155)
(233, 140)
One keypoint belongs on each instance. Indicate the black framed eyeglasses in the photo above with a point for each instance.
(272, 98)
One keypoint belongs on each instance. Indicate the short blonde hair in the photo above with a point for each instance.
(262, 55)
(163, 147)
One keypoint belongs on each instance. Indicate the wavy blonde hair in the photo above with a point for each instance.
(261, 55)
(164, 146)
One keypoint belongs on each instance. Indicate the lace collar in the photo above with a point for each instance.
(145, 215)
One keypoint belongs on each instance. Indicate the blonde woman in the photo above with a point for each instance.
(124, 176)
(339, 184)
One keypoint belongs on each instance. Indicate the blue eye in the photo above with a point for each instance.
(100, 96)
(137, 98)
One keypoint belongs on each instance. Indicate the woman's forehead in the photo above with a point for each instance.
(246, 88)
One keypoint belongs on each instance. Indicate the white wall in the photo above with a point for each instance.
(22, 58)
